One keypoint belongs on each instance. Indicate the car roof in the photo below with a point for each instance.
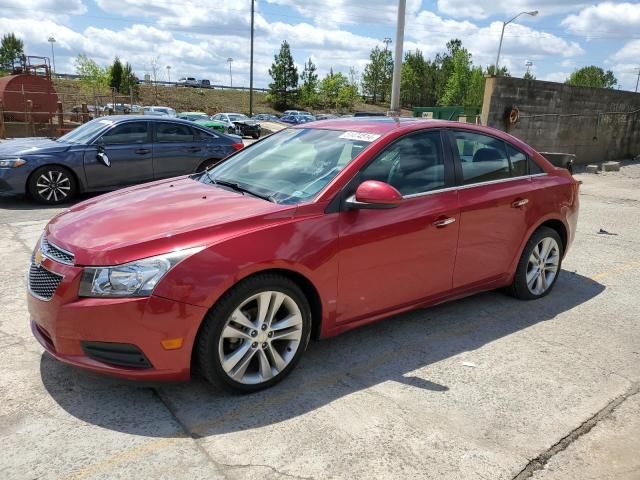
(149, 118)
(379, 125)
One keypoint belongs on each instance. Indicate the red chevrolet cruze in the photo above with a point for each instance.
(310, 232)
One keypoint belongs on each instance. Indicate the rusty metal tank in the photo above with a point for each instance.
(16, 90)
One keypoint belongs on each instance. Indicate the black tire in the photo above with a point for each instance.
(207, 163)
(208, 340)
(519, 288)
(256, 136)
(64, 185)
(232, 131)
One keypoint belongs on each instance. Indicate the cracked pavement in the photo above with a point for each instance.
(482, 388)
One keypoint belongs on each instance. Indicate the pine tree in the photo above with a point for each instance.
(376, 79)
(10, 49)
(115, 75)
(284, 73)
(309, 88)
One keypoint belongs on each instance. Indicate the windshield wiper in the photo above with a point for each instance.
(239, 188)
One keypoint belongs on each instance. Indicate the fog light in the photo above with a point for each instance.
(172, 343)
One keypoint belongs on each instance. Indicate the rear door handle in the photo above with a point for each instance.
(520, 203)
(194, 149)
(443, 222)
(141, 151)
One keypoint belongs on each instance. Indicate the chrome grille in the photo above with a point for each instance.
(42, 282)
(55, 253)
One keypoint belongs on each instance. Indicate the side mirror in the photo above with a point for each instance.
(101, 156)
(372, 194)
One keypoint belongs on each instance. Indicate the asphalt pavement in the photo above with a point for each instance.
(486, 387)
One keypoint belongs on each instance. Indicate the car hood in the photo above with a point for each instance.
(30, 146)
(157, 218)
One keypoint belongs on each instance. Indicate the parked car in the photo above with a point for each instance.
(109, 153)
(326, 116)
(205, 83)
(266, 117)
(216, 125)
(297, 119)
(188, 82)
(313, 231)
(160, 111)
(294, 112)
(239, 124)
(193, 116)
(120, 108)
(369, 114)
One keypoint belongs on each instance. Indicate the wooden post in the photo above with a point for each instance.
(85, 113)
(31, 126)
(60, 118)
(2, 133)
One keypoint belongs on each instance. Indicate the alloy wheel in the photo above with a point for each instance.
(542, 266)
(53, 185)
(260, 338)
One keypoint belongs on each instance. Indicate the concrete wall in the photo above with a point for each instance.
(593, 123)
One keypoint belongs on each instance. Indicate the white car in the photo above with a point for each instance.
(160, 111)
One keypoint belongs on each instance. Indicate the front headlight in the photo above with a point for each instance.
(12, 162)
(134, 279)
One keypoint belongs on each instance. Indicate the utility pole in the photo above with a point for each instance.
(638, 80)
(169, 73)
(53, 56)
(229, 61)
(397, 64)
(253, 2)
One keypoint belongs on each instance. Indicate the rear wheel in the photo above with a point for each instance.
(539, 265)
(256, 333)
(52, 184)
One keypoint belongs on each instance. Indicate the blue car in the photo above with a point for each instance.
(297, 119)
(109, 153)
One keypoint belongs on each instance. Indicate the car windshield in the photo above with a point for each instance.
(235, 118)
(290, 166)
(85, 132)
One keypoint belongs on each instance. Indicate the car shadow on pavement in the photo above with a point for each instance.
(393, 350)
(23, 202)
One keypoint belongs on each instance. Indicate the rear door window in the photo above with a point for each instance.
(518, 159)
(482, 158)
(174, 133)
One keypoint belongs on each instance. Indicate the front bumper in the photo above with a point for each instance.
(13, 181)
(66, 323)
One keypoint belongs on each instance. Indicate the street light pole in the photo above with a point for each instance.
(169, 73)
(229, 61)
(397, 63)
(251, 62)
(53, 56)
(504, 25)
(638, 80)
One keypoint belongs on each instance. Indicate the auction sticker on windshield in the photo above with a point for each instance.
(362, 136)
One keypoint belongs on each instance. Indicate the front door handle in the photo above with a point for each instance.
(194, 149)
(443, 222)
(141, 151)
(520, 203)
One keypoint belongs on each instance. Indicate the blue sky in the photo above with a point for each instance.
(195, 37)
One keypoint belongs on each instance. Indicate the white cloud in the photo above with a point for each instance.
(605, 18)
(559, 77)
(479, 9)
(629, 52)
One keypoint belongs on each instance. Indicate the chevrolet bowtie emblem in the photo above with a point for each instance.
(37, 258)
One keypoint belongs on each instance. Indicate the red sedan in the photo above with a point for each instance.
(310, 232)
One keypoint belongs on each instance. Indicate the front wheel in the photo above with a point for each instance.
(256, 333)
(52, 184)
(539, 265)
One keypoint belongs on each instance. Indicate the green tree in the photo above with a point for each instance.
(11, 48)
(376, 79)
(502, 71)
(592, 76)
(330, 87)
(475, 92)
(129, 85)
(116, 75)
(309, 88)
(92, 75)
(283, 89)
(459, 79)
(529, 76)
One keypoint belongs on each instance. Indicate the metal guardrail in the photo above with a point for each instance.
(176, 84)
